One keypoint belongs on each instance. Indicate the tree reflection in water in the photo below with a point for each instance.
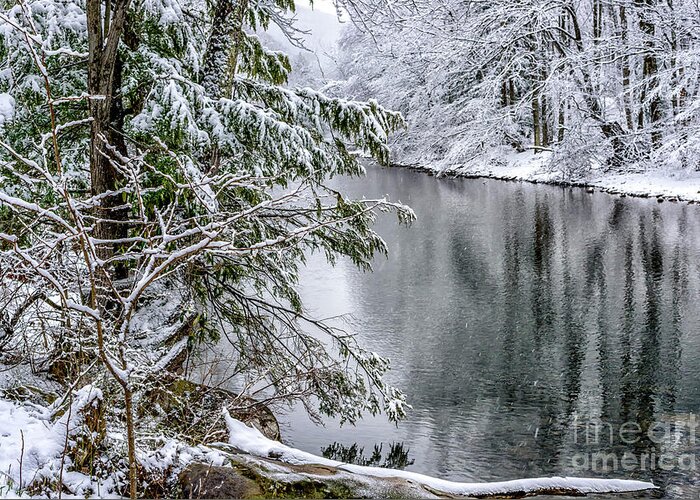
(396, 458)
(514, 313)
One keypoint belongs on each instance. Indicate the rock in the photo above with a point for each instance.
(29, 393)
(195, 410)
(246, 476)
(283, 480)
(187, 329)
(206, 481)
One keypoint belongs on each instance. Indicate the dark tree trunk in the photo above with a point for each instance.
(614, 133)
(561, 112)
(105, 27)
(597, 21)
(561, 125)
(511, 91)
(626, 96)
(545, 122)
(650, 74)
(536, 132)
(221, 58)
(104, 80)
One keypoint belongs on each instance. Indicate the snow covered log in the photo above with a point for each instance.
(249, 465)
(283, 464)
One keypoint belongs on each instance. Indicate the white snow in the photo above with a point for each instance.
(175, 455)
(251, 441)
(32, 445)
(7, 108)
(23, 428)
(684, 185)
(680, 184)
(31, 448)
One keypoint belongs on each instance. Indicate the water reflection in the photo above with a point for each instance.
(396, 458)
(511, 312)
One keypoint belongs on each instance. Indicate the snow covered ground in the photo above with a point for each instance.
(671, 184)
(32, 448)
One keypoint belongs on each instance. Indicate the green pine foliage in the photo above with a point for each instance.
(226, 193)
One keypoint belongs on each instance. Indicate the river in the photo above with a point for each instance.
(532, 327)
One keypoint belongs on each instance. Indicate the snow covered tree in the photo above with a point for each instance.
(607, 85)
(160, 187)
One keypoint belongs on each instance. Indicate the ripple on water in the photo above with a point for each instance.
(516, 315)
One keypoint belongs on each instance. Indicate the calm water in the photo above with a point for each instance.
(521, 320)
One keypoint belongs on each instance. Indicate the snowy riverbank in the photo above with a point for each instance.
(33, 449)
(662, 183)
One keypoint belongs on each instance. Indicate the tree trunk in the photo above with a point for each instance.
(223, 47)
(561, 126)
(679, 92)
(504, 94)
(511, 91)
(597, 21)
(545, 122)
(221, 57)
(561, 112)
(105, 29)
(104, 80)
(536, 121)
(650, 74)
(626, 91)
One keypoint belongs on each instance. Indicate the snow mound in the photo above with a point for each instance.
(7, 108)
(32, 446)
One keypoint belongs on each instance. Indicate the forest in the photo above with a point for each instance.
(601, 85)
(170, 178)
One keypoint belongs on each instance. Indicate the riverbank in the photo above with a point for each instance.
(48, 449)
(664, 184)
(38, 453)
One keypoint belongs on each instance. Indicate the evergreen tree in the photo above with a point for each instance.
(151, 147)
